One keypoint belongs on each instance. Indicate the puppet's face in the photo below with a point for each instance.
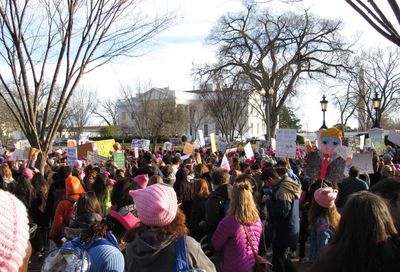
(327, 144)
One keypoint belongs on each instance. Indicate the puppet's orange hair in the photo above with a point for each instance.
(331, 132)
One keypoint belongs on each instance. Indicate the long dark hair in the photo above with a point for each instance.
(364, 226)
(182, 186)
(331, 214)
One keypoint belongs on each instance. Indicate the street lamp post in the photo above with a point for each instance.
(324, 105)
(376, 104)
(267, 100)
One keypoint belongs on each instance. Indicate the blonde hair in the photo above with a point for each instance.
(242, 204)
(331, 132)
(155, 180)
(6, 171)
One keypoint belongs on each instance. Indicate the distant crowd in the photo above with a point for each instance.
(168, 212)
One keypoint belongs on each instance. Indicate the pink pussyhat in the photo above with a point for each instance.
(325, 197)
(28, 173)
(128, 221)
(142, 180)
(156, 205)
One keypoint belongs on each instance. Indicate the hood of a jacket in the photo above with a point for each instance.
(288, 190)
(146, 246)
(222, 192)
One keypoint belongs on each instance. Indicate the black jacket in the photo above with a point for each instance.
(216, 207)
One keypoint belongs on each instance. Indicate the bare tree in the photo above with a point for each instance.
(347, 105)
(378, 15)
(275, 52)
(59, 42)
(197, 116)
(80, 110)
(107, 111)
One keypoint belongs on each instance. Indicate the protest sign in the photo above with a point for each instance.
(188, 149)
(222, 146)
(363, 161)
(377, 143)
(176, 141)
(201, 138)
(273, 143)
(231, 150)
(119, 159)
(213, 143)
(71, 143)
(285, 143)
(94, 158)
(362, 140)
(20, 154)
(22, 145)
(83, 149)
(248, 150)
(225, 163)
(167, 146)
(394, 137)
(104, 147)
(185, 157)
(343, 151)
(140, 144)
(136, 152)
(72, 155)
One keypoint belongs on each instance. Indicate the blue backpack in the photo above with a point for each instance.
(73, 256)
(182, 259)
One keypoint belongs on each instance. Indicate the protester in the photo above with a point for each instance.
(350, 185)
(73, 184)
(323, 218)
(198, 213)
(9, 184)
(366, 239)
(152, 247)
(283, 217)
(238, 234)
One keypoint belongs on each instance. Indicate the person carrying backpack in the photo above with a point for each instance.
(161, 242)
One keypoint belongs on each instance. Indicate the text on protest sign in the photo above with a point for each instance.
(248, 150)
(72, 155)
(141, 144)
(119, 159)
(213, 143)
(94, 158)
(363, 161)
(188, 149)
(104, 147)
(394, 137)
(286, 143)
(343, 151)
(201, 137)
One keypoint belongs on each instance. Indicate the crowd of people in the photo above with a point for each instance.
(166, 211)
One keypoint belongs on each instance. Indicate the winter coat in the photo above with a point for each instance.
(62, 218)
(230, 238)
(148, 251)
(321, 233)
(216, 208)
(120, 193)
(9, 185)
(283, 213)
(197, 215)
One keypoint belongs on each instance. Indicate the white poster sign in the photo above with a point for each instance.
(225, 164)
(94, 158)
(201, 137)
(141, 144)
(362, 141)
(167, 146)
(394, 137)
(273, 143)
(249, 151)
(363, 161)
(343, 151)
(286, 143)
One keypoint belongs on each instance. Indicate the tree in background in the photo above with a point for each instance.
(278, 52)
(288, 119)
(380, 16)
(59, 42)
(106, 109)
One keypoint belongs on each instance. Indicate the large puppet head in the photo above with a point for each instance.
(329, 139)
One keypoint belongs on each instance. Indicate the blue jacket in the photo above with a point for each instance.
(283, 213)
(321, 233)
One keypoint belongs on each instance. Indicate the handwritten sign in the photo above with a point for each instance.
(213, 143)
(104, 147)
(83, 149)
(72, 155)
(119, 159)
(225, 163)
(141, 144)
(167, 146)
(362, 140)
(363, 161)
(20, 154)
(176, 141)
(94, 158)
(188, 149)
(201, 137)
(273, 143)
(343, 151)
(248, 150)
(286, 143)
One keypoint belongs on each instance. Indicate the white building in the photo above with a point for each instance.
(199, 118)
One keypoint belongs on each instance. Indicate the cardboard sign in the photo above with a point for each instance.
(72, 155)
(119, 159)
(394, 137)
(94, 158)
(286, 143)
(104, 147)
(363, 161)
(213, 143)
(188, 149)
(201, 137)
(343, 151)
(83, 149)
(249, 151)
(141, 144)
(225, 163)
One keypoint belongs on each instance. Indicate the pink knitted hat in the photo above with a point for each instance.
(14, 232)
(28, 173)
(156, 205)
(142, 180)
(325, 197)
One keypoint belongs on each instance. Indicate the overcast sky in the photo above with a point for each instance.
(169, 64)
